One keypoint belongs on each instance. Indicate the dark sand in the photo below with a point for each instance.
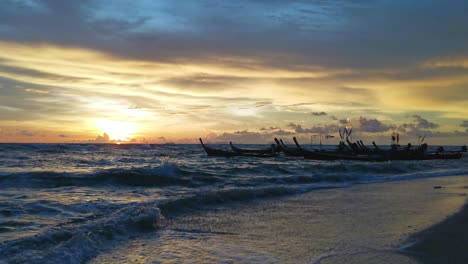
(446, 242)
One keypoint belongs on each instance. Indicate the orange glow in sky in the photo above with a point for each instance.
(117, 130)
(168, 74)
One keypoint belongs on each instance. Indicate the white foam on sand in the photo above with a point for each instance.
(361, 224)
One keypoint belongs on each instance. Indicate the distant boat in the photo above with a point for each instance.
(289, 151)
(378, 155)
(270, 150)
(318, 155)
(230, 153)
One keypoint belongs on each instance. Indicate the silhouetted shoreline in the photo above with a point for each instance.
(444, 242)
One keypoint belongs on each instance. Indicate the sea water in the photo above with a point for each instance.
(68, 202)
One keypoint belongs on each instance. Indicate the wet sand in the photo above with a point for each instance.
(445, 242)
(369, 223)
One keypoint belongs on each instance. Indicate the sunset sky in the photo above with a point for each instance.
(246, 71)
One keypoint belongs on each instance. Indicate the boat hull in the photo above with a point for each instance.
(380, 158)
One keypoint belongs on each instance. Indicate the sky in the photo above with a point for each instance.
(171, 71)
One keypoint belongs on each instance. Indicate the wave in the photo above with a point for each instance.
(49, 148)
(77, 242)
(80, 238)
(165, 174)
(416, 175)
(243, 174)
(202, 199)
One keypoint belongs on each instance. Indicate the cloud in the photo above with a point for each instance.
(422, 123)
(187, 66)
(372, 125)
(281, 132)
(343, 121)
(101, 139)
(269, 128)
(204, 82)
(421, 126)
(30, 90)
(319, 113)
(325, 129)
(326, 32)
(263, 103)
(276, 131)
(249, 137)
(244, 137)
(448, 63)
(26, 133)
(362, 124)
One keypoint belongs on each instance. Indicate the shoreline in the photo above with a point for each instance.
(444, 242)
(360, 224)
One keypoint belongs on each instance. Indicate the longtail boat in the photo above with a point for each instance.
(337, 155)
(217, 152)
(226, 153)
(289, 151)
(378, 155)
(319, 155)
(341, 150)
(420, 154)
(270, 150)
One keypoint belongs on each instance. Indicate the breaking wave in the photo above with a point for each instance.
(78, 241)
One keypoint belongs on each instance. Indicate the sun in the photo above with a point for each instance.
(117, 130)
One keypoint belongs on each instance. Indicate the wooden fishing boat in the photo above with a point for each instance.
(226, 153)
(289, 151)
(270, 150)
(443, 155)
(217, 152)
(333, 152)
(385, 156)
(320, 155)
(415, 155)
(337, 155)
(378, 155)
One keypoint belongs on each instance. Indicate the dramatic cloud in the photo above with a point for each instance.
(421, 126)
(182, 68)
(372, 125)
(328, 32)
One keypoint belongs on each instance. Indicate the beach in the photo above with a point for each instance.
(444, 242)
(173, 204)
(374, 223)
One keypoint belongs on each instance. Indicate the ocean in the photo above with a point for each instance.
(68, 203)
